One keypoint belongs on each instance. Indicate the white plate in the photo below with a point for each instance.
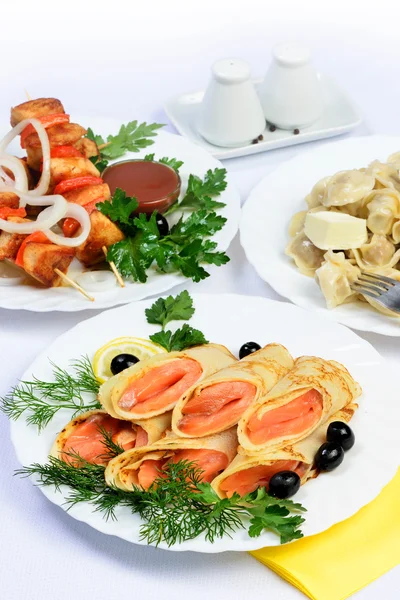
(330, 498)
(196, 161)
(269, 208)
(340, 115)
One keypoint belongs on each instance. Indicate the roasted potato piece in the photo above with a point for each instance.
(89, 193)
(40, 260)
(87, 147)
(103, 233)
(64, 134)
(68, 168)
(9, 200)
(11, 242)
(35, 108)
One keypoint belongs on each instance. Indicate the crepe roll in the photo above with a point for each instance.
(84, 436)
(154, 386)
(305, 398)
(248, 473)
(218, 401)
(142, 466)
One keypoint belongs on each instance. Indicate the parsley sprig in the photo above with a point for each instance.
(177, 507)
(41, 400)
(131, 137)
(165, 310)
(184, 249)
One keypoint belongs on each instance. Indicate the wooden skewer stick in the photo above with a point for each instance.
(27, 95)
(114, 269)
(103, 145)
(73, 284)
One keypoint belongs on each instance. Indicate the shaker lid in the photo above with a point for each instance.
(231, 70)
(291, 54)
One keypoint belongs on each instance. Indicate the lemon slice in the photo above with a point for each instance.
(139, 347)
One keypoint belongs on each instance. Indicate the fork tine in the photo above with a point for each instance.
(382, 287)
(381, 278)
(367, 290)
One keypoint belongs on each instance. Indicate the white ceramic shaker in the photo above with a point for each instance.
(231, 113)
(291, 92)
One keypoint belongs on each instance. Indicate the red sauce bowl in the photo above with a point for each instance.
(155, 186)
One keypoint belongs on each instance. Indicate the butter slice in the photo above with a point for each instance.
(335, 231)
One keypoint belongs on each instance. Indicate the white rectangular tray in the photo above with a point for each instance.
(340, 116)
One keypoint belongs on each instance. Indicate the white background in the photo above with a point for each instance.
(124, 59)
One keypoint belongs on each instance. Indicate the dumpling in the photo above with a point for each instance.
(314, 198)
(386, 175)
(383, 209)
(378, 252)
(306, 256)
(296, 224)
(335, 277)
(347, 187)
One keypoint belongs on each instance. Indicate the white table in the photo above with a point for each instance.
(145, 54)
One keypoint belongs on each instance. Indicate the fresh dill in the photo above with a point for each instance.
(177, 507)
(40, 400)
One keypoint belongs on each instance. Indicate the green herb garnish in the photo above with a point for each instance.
(120, 209)
(177, 507)
(200, 192)
(174, 163)
(165, 310)
(182, 250)
(41, 400)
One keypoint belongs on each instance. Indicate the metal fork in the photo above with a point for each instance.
(383, 290)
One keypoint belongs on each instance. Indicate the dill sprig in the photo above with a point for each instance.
(111, 448)
(177, 507)
(41, 400)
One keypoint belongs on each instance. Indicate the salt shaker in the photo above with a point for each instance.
(291, 92)
(231, 113)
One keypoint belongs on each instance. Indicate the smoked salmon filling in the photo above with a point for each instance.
(312, 391)
(248, 480)
(85, 436)
(246, 473)
(211, 462)
(139, 467)
(154, 386)
(218, 401)
(291, 419)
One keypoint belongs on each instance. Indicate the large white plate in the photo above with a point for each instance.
(196, 161)
(269, 208)
(340, 116)
(233, 320)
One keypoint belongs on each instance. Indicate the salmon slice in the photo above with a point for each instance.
(248, 480)
(161, 386)
(211, 462)
(87, 439)
(216, 407)
(149, 470)
(291, 419)
(141, 437)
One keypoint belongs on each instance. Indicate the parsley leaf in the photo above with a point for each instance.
(169, 309)
(185, 337)
(131, 137)
(120, 208)
(174, 163)
(200, 192)
(129, 258)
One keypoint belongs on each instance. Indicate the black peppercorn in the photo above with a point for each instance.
(272, 128)
(255, 141)
(260, 137)
(296, 131)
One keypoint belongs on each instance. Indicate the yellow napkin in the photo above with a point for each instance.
(340, 561)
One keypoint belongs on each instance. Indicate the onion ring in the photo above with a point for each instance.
(97, 281)
(43, 185)
(56, 210)
(13, 164)
(75, 212)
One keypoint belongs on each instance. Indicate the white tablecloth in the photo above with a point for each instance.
(124, 59)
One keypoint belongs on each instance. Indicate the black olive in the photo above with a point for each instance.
(248, 348)
(342, 434)
(161, 222)
(329, 456)
(121, 362)
(284, 484)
